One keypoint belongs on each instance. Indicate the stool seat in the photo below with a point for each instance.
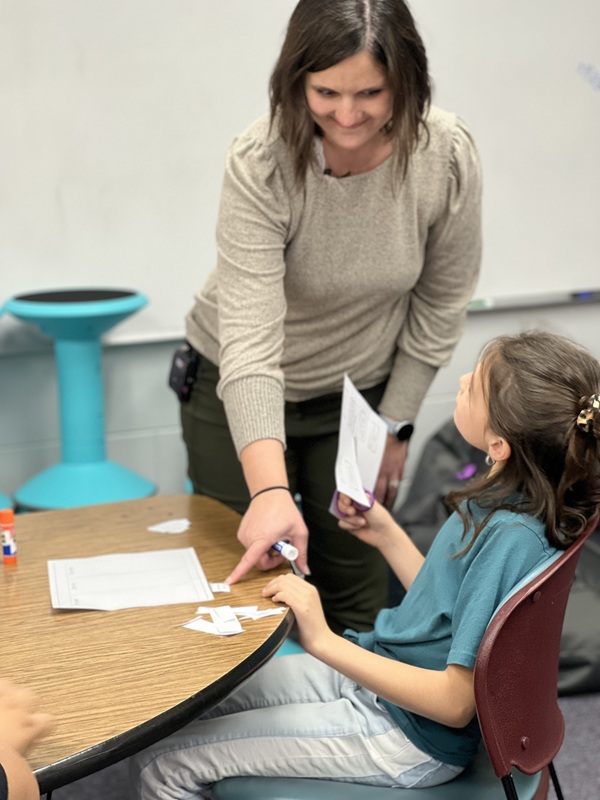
(75, 319)
(476, 783)
(75, 313)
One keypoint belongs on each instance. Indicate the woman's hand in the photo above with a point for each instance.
(391, 471)
(271, 517)
(304, 600)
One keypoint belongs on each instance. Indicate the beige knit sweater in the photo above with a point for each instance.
(366, 274)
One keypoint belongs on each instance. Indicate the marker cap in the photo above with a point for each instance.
(287, 550)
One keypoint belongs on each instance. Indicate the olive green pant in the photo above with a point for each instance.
(352, 577)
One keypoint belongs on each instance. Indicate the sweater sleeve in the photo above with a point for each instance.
(438, 302)
(252, 231)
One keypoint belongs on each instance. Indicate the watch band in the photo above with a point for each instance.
(402, 430)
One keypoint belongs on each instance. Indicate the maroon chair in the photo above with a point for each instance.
(516, 673)
(515, 679)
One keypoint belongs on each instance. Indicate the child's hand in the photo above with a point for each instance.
(305, 602)
(20, 724)
(375, 526)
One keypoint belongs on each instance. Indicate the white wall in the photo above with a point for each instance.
(142, 416)
(116, 115)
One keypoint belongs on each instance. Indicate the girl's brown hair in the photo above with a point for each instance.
(320, 34)
(536, 385)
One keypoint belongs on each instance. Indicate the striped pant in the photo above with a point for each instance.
(295, 717)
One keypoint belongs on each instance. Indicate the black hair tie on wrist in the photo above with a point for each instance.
(270, 489)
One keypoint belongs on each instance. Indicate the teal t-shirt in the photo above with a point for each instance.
(444, 615)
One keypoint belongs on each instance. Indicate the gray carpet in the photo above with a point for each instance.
(577, 764)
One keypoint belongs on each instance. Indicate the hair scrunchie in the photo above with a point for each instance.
(585, 417)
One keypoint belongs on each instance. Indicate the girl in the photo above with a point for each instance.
(395, 707)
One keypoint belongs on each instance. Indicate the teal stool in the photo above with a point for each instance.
(75, 320)
(290, 648)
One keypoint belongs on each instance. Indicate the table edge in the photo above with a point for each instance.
(79, 765)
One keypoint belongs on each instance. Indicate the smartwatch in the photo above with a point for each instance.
(399, 430)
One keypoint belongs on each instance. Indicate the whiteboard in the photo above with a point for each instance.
(116, 115)
(525, 75)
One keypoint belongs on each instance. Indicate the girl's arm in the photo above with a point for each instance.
(446, 696)
(377, 528)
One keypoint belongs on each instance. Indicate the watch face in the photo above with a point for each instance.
(405, 432)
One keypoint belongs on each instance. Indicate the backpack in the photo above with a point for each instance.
(446, 463)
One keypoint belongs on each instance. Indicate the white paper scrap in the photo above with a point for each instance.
(225, 620)
(245, 610)
(205, 626)
(267, 612)
(171, 526)
(220, 587)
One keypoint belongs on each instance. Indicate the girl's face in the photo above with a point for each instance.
(470, 414)
(350, 102)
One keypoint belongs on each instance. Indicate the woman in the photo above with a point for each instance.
(348, 242)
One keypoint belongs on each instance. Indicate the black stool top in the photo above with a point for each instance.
(75, 295)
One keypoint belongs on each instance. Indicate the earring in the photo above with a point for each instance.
(489, 460)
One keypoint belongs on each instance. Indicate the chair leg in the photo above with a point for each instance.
(555, 782)
(509, 788)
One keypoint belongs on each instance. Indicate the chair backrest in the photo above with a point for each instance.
(516, 672)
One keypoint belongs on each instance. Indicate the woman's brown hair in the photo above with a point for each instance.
(536, 386)
(320, 34)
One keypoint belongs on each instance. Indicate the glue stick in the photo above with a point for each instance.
(9, 543)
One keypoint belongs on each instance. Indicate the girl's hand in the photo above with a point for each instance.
(20, 723)
(304, 601)
(375, 527)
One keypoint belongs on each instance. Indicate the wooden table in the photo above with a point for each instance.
(117, 681)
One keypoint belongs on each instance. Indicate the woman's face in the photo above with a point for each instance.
(350, 102)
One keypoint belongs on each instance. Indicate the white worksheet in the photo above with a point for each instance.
(128, 580)
(361, 444)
